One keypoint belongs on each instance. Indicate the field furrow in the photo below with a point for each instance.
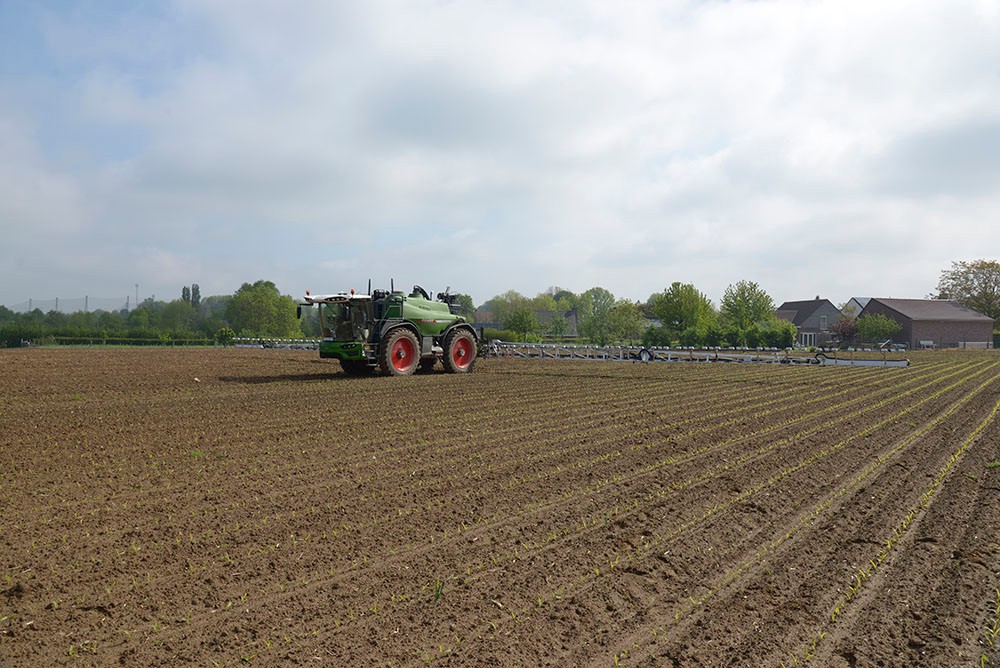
(258, 507)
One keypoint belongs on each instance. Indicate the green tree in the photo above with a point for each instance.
(520, 318)
(138, 319)
(544, 302)
(745, 303)
(186, 294)
(975, 285)
(178, 317)
(195, 296)
(212, 313)
(258, 309)
(594, 315)
(224, 336)
(56, 319)
(466, 307)
(777, 333)
(743, 306)
(502, 305)
(680, 308)
(565, 299)
(877, 327)
(558, 326)
(626, 321)
(656, 336)
(111, 323)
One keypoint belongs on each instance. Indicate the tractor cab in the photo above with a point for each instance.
(344, 316)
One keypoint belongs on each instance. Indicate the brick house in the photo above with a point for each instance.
(934, 323)
(813, 318)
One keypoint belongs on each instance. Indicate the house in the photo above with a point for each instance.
(812, 318)
(854, 307)
(934, 323)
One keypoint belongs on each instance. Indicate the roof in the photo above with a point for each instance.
(932, 309)
(798, 312)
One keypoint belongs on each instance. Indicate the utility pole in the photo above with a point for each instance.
(137, 295)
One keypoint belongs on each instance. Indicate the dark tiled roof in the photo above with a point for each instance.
(799, 312)
(932, 309)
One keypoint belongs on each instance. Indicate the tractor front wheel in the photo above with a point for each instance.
(400, 353)
(459, 351)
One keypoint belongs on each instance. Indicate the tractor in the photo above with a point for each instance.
(395, 332)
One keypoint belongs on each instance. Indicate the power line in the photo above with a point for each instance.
(74, 304)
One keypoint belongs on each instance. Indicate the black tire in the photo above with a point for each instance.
(355, 368)
(459, 351)
(400, 353)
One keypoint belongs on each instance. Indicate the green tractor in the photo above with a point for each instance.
(393, 331)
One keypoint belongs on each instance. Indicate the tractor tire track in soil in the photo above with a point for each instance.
(242, 507)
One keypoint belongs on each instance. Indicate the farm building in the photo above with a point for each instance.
(934, 323)
(813, 318)
(854, 307)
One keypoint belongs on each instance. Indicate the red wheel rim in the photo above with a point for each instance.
(404, 354)
(461, 353)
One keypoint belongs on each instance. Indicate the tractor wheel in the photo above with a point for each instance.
(400, 353)
(459, 351)
(355, 368)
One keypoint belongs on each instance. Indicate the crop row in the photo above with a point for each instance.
(282, 510)
(140, 427)
(527, 545)
(523, 551)
(125, 507)
(342, 533)
(855, 587)
(110, 503)
(656, 542)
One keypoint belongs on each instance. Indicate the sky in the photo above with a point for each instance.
(843, 148)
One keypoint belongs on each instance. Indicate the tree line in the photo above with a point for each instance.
(255, 310)
(678, 315)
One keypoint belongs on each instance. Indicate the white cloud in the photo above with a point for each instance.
(813, 147)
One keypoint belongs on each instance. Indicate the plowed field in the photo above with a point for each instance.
(234, 507)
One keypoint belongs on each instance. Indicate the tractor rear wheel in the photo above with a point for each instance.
(400, 353)
(459, 351)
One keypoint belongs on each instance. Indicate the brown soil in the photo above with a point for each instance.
(230, 507)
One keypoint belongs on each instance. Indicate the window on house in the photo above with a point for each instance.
(823, 323)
